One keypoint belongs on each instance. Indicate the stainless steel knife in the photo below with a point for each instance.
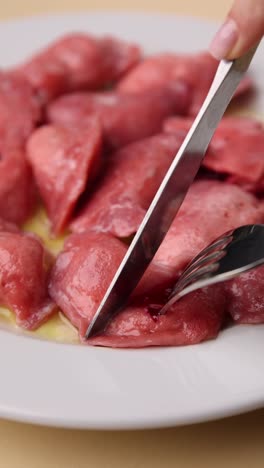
(172, 191)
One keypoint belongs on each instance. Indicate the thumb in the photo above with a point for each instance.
(243, 28)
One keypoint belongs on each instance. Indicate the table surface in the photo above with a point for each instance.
(236, 442)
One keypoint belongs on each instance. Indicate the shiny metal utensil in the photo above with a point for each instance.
(228, 256)
(172, 191)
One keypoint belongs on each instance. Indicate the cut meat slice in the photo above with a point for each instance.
(64, 160)
(78, 61)
(80, 278)
(196, 70)
(82, 274)
(210, 209)
(24, 267)
(125, 118)
(197, 317)
(125, 191)
(245, 297)
(19, 109)
(237, 149)
(17, 189)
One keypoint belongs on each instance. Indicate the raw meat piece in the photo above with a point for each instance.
(19, 109)
(64, 160)
(124, 118)
(129, 183)
(237, 149)
(245, 297)
(24, 267)
(210, 209)
(78, 61)
(84, 270)
(17, 189)
(82, 273)
(196, 318)
(196, 70)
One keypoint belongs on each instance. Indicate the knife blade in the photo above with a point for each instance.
(171, 192)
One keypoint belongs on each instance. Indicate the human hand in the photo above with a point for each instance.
(242, 29)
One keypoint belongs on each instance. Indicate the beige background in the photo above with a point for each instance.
(236, 442)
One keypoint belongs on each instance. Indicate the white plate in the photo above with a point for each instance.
(75, 386)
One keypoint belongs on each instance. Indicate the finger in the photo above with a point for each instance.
(243, 28)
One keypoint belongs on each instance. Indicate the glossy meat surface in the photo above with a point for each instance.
(82, 273)
(245, 297)
(24, 268)
(64, 161)
(124, 118)
(195, 70)
(19, 108)
(78, 61)
(17, 188)
(236, 150)
(210, 209)
(127, 187)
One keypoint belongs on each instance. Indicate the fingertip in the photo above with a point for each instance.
(225, 40)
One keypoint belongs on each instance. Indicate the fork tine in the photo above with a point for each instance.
(222, 242)
(200, 275)
(195, 276)
(204, 260)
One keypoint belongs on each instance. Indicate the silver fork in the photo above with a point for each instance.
(228, 256)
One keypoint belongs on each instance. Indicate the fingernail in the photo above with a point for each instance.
(225, 39)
